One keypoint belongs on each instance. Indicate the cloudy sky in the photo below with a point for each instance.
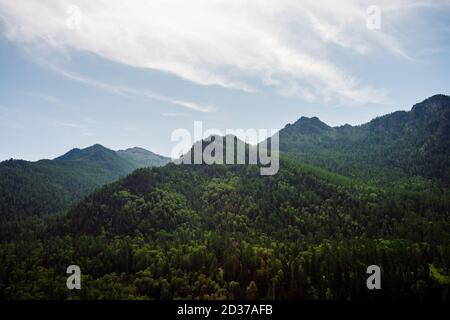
(128, 73)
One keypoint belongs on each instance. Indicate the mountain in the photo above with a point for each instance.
(310, 126)
(108, 161)
(204, 151)
(143, 158)
(344, 198)
(400, 145)
(50, 186)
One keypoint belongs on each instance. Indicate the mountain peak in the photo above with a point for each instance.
(134, 149)
(143, 157)
(432, 104)
(97, 146)
(86, 153)
(437, 98)
(214, 142)
(310, 125)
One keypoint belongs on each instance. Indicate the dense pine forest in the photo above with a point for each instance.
(343, 199)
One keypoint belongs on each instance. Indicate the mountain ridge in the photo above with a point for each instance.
(46, 186)
(403, 143)
(434, 103)
(227, 232)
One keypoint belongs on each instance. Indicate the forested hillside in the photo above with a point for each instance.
(393, 147)
(215, 232)
(51, 186)
(343, 199)
(142, 158)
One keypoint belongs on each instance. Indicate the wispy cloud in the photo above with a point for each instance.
(69, 125)
(173, 114)
(9, 119)
(79, 128)
(127, 91)
(288, 45)
(43, 96)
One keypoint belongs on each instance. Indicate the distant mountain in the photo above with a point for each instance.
(395, 146)
(97, 155)
(143, 158)
(50, 186)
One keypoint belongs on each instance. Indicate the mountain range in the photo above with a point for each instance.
(399, 145)
(49, 186)
(344, 198)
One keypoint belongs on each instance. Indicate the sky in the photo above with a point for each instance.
(128, 73)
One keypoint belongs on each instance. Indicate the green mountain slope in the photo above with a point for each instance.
(50, 186)
(397, 146)
(225, 231)
(143, 158)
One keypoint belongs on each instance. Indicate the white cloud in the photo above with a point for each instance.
(286, 44)
(172, 114)
(68, 124)
(43, 96)
(127, 91)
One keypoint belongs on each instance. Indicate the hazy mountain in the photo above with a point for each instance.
(143, 158)
(49, 186)
(108, 161)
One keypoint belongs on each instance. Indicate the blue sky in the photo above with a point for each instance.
(130, 73)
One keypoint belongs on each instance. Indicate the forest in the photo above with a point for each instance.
(225, 232)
